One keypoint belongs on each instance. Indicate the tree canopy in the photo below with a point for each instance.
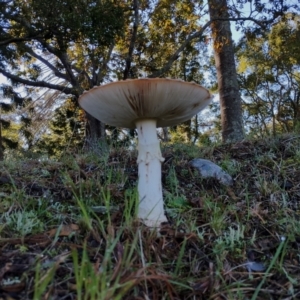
(51, 52)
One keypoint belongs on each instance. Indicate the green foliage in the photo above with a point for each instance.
(14, 119)
(64, 22)
(72, 42)
(11, 136)
(22, 222)
(58, 45)
(269, 78)
(238, 238)
(284, 41)
(73, 45)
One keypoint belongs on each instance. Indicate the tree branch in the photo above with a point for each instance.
(15, 40)
(43, 84)
(104, 64)
(198, 34)
(6, 2)
(15, 18)
(64, 60)
(47, 63)
(176, 54)
(95, 66)
(80, 71)
(62, 57)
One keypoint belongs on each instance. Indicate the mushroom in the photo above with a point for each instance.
(145, 104)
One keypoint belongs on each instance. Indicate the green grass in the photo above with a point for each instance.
(68, 228)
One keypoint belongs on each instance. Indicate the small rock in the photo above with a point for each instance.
(255, 266)
(207, 168)
(287, 185)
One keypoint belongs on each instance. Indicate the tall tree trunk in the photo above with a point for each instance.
(165, 134)
(94, 129)
(230, 99)
(95, 132)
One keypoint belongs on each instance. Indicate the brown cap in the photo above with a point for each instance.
(122, 103)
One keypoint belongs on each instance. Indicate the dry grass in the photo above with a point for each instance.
(67, 228)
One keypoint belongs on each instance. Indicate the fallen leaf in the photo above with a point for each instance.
(13, 288)
(64, 230)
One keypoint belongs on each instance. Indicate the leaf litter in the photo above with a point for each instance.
(219, 244)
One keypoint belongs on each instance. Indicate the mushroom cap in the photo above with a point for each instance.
(123, 103)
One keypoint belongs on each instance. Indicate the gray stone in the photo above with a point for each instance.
(207, 169)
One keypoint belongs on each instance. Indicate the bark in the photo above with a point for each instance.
(95, 133)
(230, 99)
(165, 135)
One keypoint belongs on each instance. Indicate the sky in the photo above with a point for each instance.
(2, 78)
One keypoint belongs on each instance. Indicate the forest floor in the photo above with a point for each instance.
(67, 227)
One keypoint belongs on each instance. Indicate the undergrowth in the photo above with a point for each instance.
(68, 228)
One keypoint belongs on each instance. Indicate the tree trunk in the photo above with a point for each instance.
(230, 99)
(95, 132)
(165, 134)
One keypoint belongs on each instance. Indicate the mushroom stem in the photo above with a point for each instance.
(151, 206)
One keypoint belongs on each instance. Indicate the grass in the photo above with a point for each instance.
(68, 231)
